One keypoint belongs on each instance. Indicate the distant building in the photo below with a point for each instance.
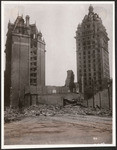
(92, 52)
(25, 60)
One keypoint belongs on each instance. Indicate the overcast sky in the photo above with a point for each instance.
(58, 24)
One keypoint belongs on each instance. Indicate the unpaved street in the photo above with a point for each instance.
(59, 129)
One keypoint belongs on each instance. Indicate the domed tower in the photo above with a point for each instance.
(90, 9)
(92, 52)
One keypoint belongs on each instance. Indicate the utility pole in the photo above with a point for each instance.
(93, 93)
(100, 99)
(109, 93)
(87, 103)
(82, 81)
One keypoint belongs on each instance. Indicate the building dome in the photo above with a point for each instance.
(90, 9)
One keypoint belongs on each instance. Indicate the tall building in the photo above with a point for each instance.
(25, 60)
(92, 52)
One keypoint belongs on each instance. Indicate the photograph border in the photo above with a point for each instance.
(114, 82)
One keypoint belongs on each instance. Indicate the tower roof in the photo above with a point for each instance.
(90, 9)
(91, 16)
(19, 19)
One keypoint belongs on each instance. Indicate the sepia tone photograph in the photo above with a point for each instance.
(58, 74)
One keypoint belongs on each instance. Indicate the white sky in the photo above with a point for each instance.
(58, 24)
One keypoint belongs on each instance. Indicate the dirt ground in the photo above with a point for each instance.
(59, 129)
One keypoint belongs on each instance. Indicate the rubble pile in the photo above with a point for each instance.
(50, 110)
(71, 109)
(46, 110)
(80, 110)
(12, 114)
(97, 112)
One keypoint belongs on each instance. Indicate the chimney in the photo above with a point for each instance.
(27, 20)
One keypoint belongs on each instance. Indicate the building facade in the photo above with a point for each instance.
(25, 60)
(92, 52)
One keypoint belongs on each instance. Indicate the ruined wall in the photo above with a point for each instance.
(50, 99)
(43, 90)
(101, 99)
(54, 99)
(52, 95)
(69, 82)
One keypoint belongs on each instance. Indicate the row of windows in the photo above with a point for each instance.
(34, 52)
(88, 56)
(89, 74)
(85, 52)
(87, 26)
(96, 81)
(89, 69)
(90, 52)
(33, 75)
(33, 69)
(87, 37)
(89, 65)
(34, 58)
(90, 83)
(88, 43)
(33, 81)
(94, 60)
(87, 32)
(87, 47)
(33, 63)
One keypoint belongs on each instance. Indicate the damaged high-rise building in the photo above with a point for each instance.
(25, 60)
(92, 52)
